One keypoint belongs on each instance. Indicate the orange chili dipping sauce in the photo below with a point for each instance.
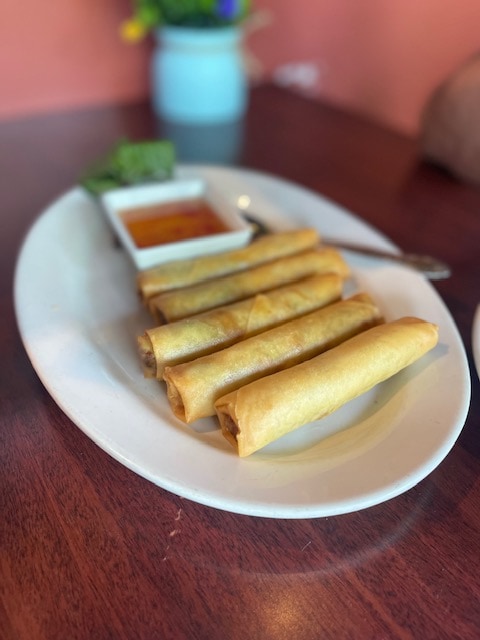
(171, 222)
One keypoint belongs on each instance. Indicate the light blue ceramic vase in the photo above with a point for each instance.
(198, 76)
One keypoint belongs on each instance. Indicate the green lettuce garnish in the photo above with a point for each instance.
(130, 163)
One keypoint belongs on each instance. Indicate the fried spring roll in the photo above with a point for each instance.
(190, 338)
(262, 411)
(193, 387)
(184, 273)
(181, 303)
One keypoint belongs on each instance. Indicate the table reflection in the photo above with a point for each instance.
(208, 143)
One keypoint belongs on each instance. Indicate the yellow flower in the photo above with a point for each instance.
(132, 30)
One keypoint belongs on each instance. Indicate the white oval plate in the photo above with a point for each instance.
(476, 339)
(79, 317)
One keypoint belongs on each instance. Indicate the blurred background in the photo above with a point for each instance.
(379, 58)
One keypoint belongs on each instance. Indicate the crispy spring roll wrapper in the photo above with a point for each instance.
(204, 333)
(184, 273)
(182, 303)
(263, 411)
(193, 387)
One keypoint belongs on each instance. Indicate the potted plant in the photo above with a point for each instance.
(197, 70)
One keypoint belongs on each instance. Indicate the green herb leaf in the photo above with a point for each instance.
(131, 163)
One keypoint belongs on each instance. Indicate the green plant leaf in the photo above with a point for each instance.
(130, 163)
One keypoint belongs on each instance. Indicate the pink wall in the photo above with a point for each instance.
(61, 54)
(379, 57)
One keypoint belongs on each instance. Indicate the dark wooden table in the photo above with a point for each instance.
(91, 550)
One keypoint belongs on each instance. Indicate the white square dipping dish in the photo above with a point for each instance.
(119, 201)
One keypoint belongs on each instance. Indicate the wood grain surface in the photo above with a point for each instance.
(89, 550)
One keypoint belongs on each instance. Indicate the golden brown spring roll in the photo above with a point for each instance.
(262, 411)
(183, 273)
(193, 387)
(190, 338)
(181, 303)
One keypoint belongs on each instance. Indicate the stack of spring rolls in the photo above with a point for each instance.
(263, 338)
